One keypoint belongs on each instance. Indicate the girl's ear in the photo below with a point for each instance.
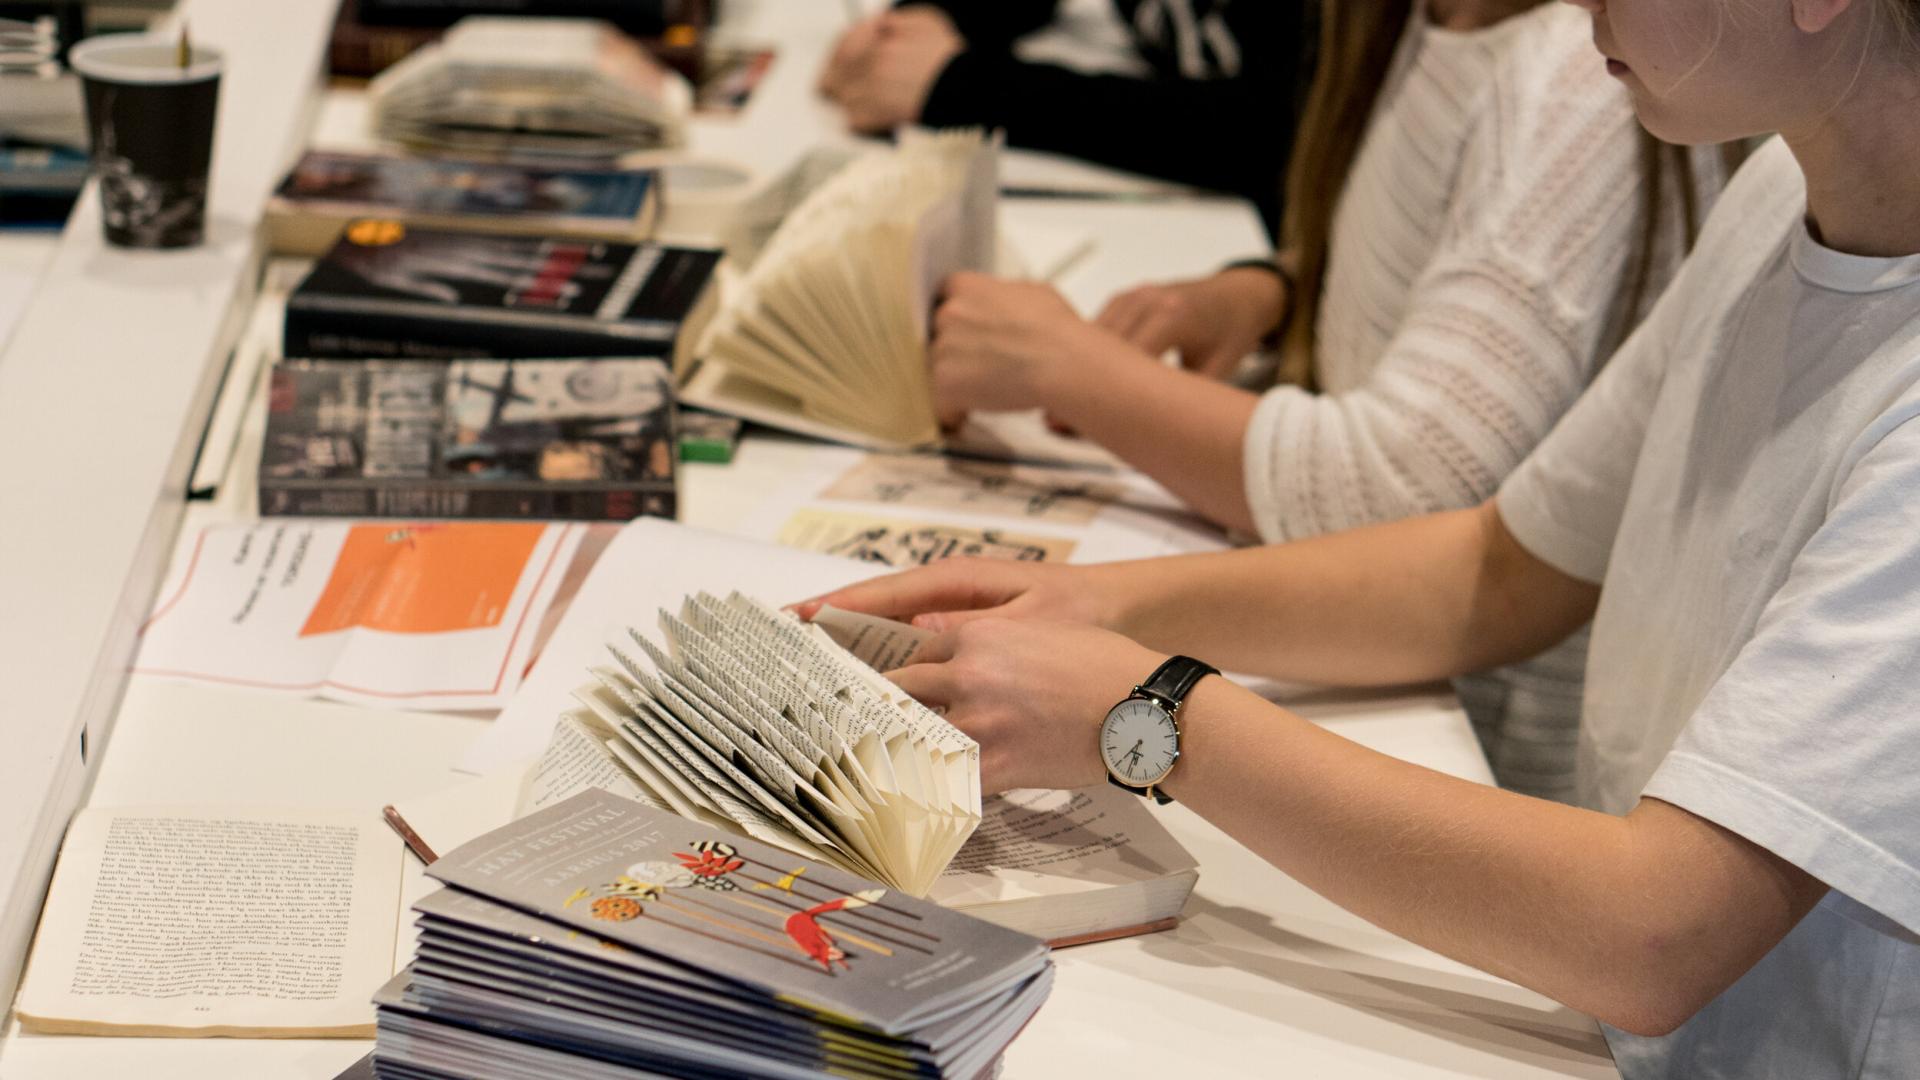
(1813, 16)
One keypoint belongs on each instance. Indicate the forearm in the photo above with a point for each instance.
(1636, 920)
(1182, 429)
(1408, 601)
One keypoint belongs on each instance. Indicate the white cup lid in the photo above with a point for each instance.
(142, 58)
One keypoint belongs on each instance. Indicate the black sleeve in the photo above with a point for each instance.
(992, 24)
(1230, 135)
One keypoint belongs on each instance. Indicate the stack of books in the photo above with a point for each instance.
(443, 373)
(601, 938)
(572, 89)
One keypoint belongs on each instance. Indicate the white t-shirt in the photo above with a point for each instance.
(1743, 481)
(1472, 290)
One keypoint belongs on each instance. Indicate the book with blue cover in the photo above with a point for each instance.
(327, 190)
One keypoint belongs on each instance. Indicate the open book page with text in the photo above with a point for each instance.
(216, 921)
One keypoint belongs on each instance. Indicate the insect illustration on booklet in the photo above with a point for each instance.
(700, 892)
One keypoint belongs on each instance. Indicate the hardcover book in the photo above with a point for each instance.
(557, 439)
(326, 191)
(601, 934)
(389, 291)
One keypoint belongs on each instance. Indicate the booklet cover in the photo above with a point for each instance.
(745, 913)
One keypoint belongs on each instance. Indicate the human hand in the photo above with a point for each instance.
(850, 56)
(952, 592)
(1212, 322)
(1032, 693)
(883, 68)
(1001, 345)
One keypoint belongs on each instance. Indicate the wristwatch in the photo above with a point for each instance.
(1140, 738)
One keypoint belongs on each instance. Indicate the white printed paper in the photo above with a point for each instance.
(429, 616)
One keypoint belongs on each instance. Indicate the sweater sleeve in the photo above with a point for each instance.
(1500, 335)
(1176, 129)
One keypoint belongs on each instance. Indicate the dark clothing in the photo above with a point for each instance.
(1218, 112)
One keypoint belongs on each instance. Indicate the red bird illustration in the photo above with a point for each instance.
(813, 938)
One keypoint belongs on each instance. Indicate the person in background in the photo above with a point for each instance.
(1217, 110)
(1474, 222)
(1733, 505)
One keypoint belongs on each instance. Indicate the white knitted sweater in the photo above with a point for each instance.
(1472, 284)
(1475, 258)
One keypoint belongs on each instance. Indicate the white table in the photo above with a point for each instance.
(1262, 977)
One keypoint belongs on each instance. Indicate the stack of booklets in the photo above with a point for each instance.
(532, 88)
(601, 938)
(326, 191)
(826, 334)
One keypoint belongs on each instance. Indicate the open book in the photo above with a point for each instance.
(748, 720)
(826, 334)
(1058, 865)
(216, 921)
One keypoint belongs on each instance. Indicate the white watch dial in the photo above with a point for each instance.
(1139, 742)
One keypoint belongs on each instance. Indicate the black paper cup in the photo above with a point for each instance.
(152, 126)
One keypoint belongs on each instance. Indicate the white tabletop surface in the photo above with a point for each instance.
(1261, 978)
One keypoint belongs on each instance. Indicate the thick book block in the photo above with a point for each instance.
(589, 440)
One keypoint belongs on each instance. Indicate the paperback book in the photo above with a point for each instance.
(390, 291)
(601, 937)
(326, 191)
(546, 439)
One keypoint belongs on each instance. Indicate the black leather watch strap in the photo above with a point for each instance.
(1170, 682)
(1174, 679)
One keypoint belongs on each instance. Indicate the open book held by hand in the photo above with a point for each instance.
(748, 720)
(826, 334)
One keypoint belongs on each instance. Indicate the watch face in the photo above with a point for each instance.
(1139, 742)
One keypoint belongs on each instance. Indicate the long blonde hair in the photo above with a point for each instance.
(1358, 41)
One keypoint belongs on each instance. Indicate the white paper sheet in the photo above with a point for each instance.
(439, 616)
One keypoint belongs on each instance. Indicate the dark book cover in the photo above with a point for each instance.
(425, 186)
(358, 50)
(392, 291)
(585, 440)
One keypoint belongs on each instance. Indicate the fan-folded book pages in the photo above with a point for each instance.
(826, 334)
(748, 720)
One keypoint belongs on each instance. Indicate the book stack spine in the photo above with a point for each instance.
(434, 499)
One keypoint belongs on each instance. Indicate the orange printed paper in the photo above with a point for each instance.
(423, 579)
